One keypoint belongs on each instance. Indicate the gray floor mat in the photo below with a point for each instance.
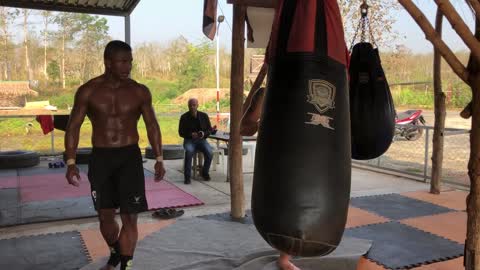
(398, 246)
(60, 251)
(62, 209)
(8, 206)
(395, 206)
(200, 244)
(8, 172)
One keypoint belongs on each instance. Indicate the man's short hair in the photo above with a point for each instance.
(115, 46)
(191, 100)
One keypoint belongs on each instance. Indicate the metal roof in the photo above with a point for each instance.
(102, 7)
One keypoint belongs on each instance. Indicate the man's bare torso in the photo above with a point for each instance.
(114, 111)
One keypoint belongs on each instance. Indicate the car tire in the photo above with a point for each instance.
(170, 152)
(18, 159)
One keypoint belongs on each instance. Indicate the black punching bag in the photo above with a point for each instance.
(371, 104)
(301, 183)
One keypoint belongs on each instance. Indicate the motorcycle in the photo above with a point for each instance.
(407, 125)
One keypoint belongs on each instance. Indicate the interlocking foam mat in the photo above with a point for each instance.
(39, 194)
(398, 246)
(59, 251)
(200, 244)
(396, 206)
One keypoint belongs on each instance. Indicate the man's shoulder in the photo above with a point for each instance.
(185, 114)
(141, 88)
(203, 114)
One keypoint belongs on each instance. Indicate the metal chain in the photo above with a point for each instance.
(363, 24)
(372, 39)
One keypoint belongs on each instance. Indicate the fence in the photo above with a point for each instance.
(407, 157)
(414, 157)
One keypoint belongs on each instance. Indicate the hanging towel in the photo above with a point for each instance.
(46, 122)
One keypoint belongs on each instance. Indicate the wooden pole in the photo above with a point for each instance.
(437, 42)
(236, 100)
(440, 113)
(472, 245)
(476, 7)
(460, 27)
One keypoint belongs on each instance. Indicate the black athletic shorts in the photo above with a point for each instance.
(116, 179)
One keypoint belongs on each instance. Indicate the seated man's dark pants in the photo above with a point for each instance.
(197, 145)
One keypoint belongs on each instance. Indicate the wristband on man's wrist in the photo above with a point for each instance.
(159, 159)
(70, 161)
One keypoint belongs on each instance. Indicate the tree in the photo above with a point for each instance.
(7, 18)
(47, 20)
(196, 66)
(380, 16)
(68, 26)
(26, 13)
(53, 71)
(93, 36)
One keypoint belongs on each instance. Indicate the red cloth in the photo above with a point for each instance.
(209, 23)
(301, 37)
(46, 122)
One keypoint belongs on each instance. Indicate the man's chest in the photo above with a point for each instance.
(114, 103)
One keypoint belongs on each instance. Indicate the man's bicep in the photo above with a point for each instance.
(79, 109)
(148, 114)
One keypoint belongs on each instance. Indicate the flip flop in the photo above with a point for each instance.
(167, 213)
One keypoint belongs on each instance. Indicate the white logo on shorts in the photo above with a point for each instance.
(94, 195)
(137, 199)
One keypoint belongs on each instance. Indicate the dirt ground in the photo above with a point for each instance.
(409, 156)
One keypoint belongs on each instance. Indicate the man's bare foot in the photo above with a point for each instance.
(284, 262)
(107, 267)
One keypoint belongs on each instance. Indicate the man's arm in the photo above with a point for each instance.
(153, 132)
(153, 129)
(182, 129)
(72, 132)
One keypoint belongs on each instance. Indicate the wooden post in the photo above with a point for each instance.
(472, 245)
(440, 113)
(236, 100)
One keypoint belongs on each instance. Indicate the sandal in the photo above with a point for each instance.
(167, 213)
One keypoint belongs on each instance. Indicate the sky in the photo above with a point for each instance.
(163, 21)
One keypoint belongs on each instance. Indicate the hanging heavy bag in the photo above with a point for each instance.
(301, 183)
(372, 111)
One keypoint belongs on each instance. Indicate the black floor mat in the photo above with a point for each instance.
(398, 246)
(395, 206)
(60, 251)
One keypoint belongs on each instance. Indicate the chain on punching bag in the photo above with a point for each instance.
(371, 104)
(301, 183)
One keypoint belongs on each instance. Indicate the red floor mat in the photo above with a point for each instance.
(8, 182)
(55, 187)
(165, 194)
(44, 187)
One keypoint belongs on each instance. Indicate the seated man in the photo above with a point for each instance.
(194, 128)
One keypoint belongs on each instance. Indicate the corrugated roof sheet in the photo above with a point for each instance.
(103, 7)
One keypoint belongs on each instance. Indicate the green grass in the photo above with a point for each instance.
(15, 135)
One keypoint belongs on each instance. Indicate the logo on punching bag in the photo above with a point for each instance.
(321, 94)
